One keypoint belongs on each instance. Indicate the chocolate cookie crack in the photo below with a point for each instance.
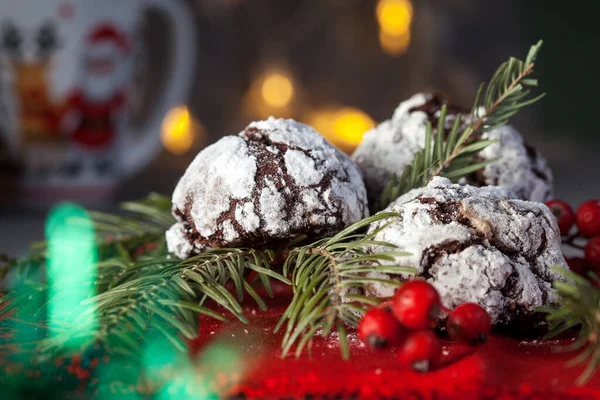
(271, 169)
(433, 254)
(256, 135)
(271, 166)
(189, 229)
(447, 212)
(533, 156)
(432, 108)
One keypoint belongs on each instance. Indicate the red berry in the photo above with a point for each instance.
(578, 265)
(81, 373)
(592, 252)
(469, 323)
(386, 305)
(416, 304)
(421, 351)
(378, 328)
(564, 215)
(588, 218)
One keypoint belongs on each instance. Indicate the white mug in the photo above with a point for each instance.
(66, 73)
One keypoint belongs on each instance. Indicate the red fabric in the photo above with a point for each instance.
(502, 368)
(96, 127)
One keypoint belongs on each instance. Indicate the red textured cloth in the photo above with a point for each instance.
(502, 368)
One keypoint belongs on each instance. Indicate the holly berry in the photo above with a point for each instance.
(588, 218)
(416, 304)
(592, 252)
(469, 323)
(421, 351)
(564, 215)
(378, 328)
(579, 265)
(386, 305)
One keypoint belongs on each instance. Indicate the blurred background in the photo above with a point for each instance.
(341, 66)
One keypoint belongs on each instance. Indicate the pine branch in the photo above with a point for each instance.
(118, 237)
(148, 217)
(142, 295)
(137, 294)
(580, 307)
(326, 276)
(169, 297)
(455, 155)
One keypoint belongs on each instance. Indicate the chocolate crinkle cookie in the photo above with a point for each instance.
(275, 180)
(388, 148)
(475, 245)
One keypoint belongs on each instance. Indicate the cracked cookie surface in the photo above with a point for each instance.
(475, 245)
(389, 147)
(275, 180)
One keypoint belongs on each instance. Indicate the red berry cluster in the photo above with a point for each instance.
(83, 365)
(587, 220)
(407, 321)
(76, 368)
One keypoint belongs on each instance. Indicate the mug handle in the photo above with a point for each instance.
(143, 143)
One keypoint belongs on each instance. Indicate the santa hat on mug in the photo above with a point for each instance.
(108, 33)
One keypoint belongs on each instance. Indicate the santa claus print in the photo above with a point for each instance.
(97, 103)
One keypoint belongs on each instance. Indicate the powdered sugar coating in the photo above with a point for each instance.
(389, 147)
(275, 180)
(476, 245)
(177, 241)
(302, 168)
(518, 167)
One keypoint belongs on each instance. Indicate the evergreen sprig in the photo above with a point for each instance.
(455, 155)
(168, 295)
(327, 278)
(119, 237)
(580, 307)
(137, 294)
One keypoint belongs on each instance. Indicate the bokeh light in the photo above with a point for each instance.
(277, 89)
(395, 18)
(72, 258)
(344, 127)
(179, 129)
(219, 367)
(323, 120)
(351, 124)
(394, 45)
(166, 366)
(273, 92)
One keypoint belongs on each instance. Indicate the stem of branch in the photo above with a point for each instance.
(334, 270)
(478, 124)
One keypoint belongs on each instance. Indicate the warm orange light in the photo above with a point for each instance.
(343, 127)
(394, 45)
(277, 89)
(323, 120)
(350, 124)
(394, 16)
(178, 130)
